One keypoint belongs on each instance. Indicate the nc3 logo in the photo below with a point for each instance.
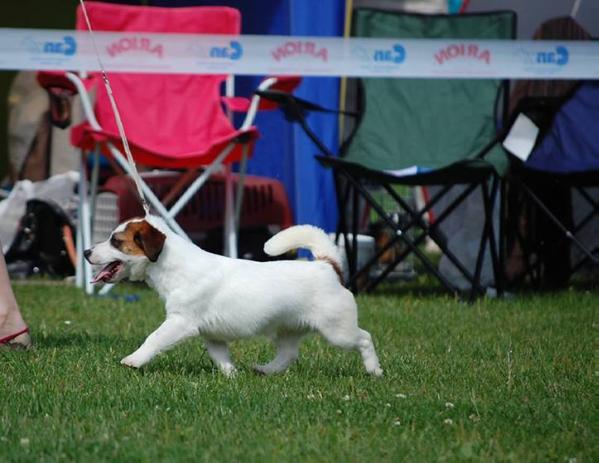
(397, 54)
(233, 52)
(67, 47)
(559, 56)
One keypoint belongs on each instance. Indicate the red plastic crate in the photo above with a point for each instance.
(265, 201)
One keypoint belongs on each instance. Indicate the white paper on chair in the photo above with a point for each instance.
(521, 139)
(413, 170)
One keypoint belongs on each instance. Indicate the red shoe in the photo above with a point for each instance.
(20, 339)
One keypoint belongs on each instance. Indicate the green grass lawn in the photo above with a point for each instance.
(497, 380)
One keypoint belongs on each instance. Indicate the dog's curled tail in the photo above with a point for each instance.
(308, 237)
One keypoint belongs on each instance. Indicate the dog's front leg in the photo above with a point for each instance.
(172, 331)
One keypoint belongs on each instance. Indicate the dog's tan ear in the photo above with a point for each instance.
(150, 240)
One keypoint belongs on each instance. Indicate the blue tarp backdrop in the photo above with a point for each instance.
(283, 151)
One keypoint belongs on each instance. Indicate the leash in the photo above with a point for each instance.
(117, 116)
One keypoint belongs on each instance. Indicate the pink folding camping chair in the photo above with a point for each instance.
(171, 121)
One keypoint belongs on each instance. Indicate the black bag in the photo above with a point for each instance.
(39, 246)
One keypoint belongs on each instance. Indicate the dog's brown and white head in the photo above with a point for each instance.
(126, 254)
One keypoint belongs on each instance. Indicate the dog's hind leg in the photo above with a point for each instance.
(220, 355)
(287, 353)
(355, 338)
(337, 321)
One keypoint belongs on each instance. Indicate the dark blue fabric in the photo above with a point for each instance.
(572, 143)
(284, 152)
(314, 188)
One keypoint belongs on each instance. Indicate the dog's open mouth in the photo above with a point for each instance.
(108, 272)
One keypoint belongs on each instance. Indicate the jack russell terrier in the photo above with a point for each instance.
(224, 299)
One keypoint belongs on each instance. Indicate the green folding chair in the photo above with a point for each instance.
(421, 132)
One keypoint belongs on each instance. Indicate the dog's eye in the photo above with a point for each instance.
(115, 242)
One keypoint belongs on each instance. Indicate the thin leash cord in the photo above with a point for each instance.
(117, 116)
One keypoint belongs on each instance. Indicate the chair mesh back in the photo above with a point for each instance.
(428, 122)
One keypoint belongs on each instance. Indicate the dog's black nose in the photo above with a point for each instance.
(87, 253)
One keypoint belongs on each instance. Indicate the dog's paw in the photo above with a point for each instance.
(132, 361)
(229, 370)
(378, 372)
(267, 369)
(261, 369)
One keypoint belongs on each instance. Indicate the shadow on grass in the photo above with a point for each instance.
(193, 367)
(62, 340)
(188, 367)
(429, 288)
(427, 291)
(575, 284)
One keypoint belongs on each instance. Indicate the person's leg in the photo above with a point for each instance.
(11, 321)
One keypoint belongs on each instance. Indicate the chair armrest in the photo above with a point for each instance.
(61, 86)
(60, 90)
(256, 103)
(296, 109)
(284, 84)
(238, 104)
(281, 83)
(56, 79)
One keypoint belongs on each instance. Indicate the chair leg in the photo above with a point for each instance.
(230, 236)
(590, 200)
(94, 187)
(193, 188)
(401, 256)
(84, 224)
(354, 237)
(149, 194)
(431, 230)
(484, 239)
(501, 238)
(590, 216)
(569, 235)
(490, 201)
(342, 199)
(532, 267)
(79, 270)
(356, 184)
(428, 230)
(230, 233)
(240, 189)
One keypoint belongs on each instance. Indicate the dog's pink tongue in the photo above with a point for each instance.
(101, 275)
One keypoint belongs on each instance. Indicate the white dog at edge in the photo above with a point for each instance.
(224, 299)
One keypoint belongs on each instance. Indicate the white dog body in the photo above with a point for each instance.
(223, 299)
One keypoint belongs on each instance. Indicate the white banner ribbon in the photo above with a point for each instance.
(38, 49)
